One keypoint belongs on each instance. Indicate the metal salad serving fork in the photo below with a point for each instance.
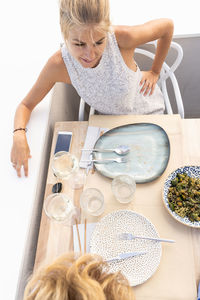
(121, 150)
(130, 236)
(107, 160)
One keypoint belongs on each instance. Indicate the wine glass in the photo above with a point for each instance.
(65, 166)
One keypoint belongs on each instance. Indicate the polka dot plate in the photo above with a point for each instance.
(192, 171)
(105, 242)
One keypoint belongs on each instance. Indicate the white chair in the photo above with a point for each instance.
(167, 72)
(81, 112)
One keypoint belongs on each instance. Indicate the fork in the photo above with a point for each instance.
(107, 160)
(130, 236)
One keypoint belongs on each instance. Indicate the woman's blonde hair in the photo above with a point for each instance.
(80, 13)
(73, 277)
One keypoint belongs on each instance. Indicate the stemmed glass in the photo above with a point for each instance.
(65, 166)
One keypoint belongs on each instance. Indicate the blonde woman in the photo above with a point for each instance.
(97, 59)
(78, 278)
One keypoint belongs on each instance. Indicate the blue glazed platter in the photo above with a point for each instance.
(148, 156)
(192, 171)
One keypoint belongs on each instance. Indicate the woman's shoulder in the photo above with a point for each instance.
(58, 67)
(56, 61)
(125, 36)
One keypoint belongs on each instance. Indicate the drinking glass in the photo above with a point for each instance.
(77, 180)
(123, 187)
(59, 207)
(65, 166)
(92, 201)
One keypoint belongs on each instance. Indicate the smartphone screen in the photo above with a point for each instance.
(63, 141)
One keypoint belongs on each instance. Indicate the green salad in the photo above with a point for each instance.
(184, 196)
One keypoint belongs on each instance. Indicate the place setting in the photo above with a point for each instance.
(126, 240)
(141, 150)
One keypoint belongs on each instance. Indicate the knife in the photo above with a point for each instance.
(198, 296)
(126, 255)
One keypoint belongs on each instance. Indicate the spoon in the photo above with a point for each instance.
(121, 150)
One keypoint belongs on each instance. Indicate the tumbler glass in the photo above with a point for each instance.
(123, 187)
(59, 207)
(92, 201)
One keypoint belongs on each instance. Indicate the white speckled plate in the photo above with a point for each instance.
(104, 242)
(192, 171)
(148, 156)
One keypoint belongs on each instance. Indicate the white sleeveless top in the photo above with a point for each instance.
(111, 87)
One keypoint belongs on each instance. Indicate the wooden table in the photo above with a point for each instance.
(179, 270)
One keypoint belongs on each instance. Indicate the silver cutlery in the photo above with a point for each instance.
(89, 166)
(126, 255)
(107, 160)
(121, 150)
(198, 291)
(130, 236)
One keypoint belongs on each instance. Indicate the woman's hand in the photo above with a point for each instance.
(148, 82)
(20, 153)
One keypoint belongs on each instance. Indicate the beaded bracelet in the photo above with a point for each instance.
(25, 129)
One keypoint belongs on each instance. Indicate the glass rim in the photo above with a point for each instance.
(124, 175)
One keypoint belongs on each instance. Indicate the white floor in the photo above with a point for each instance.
(30, 33)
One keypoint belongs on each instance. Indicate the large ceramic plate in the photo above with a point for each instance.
(104, 242)
(192, 171)
(148, 157)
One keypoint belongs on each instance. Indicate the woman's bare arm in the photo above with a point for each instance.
(54, 71)
(130, 37)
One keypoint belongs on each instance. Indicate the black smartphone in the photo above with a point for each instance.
(63, 141)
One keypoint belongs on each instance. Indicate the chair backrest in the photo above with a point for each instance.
(167, 72)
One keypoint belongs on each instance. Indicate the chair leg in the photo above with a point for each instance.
(81, 110)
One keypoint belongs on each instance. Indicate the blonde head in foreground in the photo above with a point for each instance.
(73, 277)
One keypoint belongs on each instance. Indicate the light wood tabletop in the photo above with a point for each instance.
(179, 270)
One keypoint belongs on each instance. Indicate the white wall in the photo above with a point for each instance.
(185, 14)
